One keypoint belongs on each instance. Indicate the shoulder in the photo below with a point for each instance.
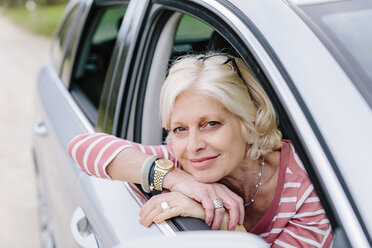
(297, 185)
(292, 162)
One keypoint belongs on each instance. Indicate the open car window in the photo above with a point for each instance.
(179, 33)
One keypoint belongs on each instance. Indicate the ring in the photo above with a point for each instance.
(164, 205)
(217, 203)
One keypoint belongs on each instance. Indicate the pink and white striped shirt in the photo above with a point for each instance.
(295, 217)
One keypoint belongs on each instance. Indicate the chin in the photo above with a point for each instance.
(205, 177)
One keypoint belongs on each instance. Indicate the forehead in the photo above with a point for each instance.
(194, 104)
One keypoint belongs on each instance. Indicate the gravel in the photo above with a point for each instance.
(21, 56)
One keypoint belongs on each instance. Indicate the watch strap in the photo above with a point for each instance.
(159, 173)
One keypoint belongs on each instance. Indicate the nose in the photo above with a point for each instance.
(196, 141)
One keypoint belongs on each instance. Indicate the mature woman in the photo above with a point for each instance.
(232, 168)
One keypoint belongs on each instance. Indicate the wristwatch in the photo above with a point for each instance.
(161, 168)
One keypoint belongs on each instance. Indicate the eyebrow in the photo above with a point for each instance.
(203, 118)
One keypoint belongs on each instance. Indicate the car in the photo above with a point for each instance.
(108, 60)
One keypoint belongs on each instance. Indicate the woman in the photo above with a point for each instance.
(232, 167)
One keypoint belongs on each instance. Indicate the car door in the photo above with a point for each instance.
(68, 95)
(111, 211)
(53, 117)
(225, 29)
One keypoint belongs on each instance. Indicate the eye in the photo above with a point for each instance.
(211, 124)
(179, 130)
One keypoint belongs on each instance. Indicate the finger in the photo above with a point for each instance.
(206, 197)
(154, 200)
(241, 210)
(235, 205)
(167, 214)
(149, 219)
(209, 210)
(234, 209)
(148, 207)
(218, 217)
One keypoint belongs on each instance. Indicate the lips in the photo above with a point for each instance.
(201, 163)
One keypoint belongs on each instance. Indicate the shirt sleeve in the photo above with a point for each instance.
(309, 226)
(93, 152)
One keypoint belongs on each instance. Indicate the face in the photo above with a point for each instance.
(206, 138)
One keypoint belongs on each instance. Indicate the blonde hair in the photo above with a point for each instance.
(215, 75)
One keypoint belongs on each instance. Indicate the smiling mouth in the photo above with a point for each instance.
(201, 163)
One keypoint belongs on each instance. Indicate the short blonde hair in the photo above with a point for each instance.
(217, 76)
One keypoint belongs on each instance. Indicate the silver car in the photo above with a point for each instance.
(109, 58)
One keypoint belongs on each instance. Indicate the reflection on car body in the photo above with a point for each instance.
(108, 61)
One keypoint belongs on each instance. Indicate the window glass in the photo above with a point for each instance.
(109, 25)
(191, 35)
(93, 57)
(191, 28)
(61, 39)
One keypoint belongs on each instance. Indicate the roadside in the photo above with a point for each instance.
(21, 55)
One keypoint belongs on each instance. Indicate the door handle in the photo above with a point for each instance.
(40, 128)
(81, 229)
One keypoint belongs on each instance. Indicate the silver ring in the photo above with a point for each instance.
(164, 205)
(217, 203)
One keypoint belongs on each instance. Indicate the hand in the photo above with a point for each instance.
(180, 181)
(180, 205)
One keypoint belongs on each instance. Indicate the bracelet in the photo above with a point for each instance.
(145, 173)
(151, 175)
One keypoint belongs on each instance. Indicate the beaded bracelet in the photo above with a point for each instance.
(145, 173)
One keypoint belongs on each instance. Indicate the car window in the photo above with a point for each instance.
(181, 34)
(93, 57)
(61, 38)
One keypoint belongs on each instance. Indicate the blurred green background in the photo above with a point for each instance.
(39, 16)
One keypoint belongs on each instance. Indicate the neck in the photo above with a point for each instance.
(243, 180)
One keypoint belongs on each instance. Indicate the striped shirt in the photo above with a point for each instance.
(295, 217)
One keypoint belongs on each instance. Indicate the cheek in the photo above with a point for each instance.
(178, 148)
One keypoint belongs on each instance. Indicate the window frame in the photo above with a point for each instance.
(74, 9)
(208, 13)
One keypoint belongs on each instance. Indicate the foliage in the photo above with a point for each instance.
(20, 3)
(43, 20)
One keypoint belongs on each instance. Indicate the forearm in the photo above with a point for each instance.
(107, 156)
(126, 166)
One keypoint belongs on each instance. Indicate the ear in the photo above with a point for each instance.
(250, 136)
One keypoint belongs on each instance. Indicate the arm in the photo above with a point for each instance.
(309, 226)
(107, 156)
(180, 205)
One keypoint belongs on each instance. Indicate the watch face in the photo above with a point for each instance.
(164, 164)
